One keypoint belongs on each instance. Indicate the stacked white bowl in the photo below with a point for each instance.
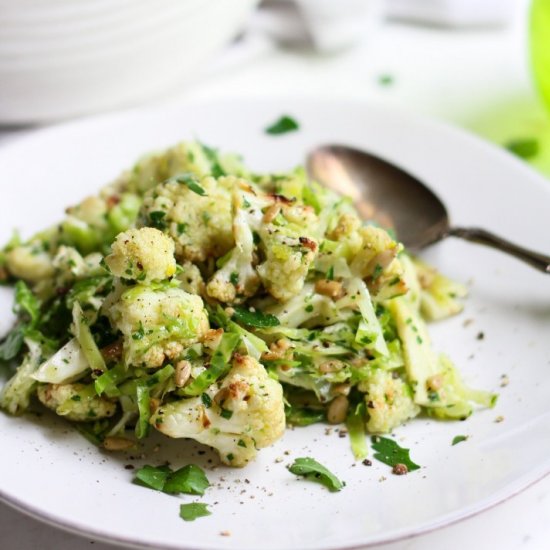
(61, 58)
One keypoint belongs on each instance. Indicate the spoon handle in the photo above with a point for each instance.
(480, 236)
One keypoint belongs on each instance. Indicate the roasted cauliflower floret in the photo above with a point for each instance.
(284, 271)
(75, 402)
(376, 261)
(145, 255)
(190, 278)
(200, 224)
(389, 401)
(191, 157)
(157, 323)
(30, 262)
(246, 414)
(237, 279)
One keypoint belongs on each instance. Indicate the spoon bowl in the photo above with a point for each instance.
(391, 197)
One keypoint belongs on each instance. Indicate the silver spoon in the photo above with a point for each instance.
(384, 193)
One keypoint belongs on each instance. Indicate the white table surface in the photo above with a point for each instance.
(457, 76)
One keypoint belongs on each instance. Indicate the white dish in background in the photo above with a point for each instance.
(52, 473)
(65, 58)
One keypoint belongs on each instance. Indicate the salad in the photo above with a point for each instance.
(196, 298)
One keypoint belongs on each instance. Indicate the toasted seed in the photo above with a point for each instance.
(435, 382)
(331, 366)
(113, 443)
(112, 351)
(332, 289)
(271, 213)
(342, 389)
(400, 469)
(154, 404)
(338, 410)
(183, 372)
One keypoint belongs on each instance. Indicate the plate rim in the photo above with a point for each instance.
(434, 125)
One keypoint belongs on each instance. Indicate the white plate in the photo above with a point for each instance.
(49, 471)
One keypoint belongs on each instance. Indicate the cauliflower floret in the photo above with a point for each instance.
(439, 295)
(287, 262)
(75, 402)
(145, 254)
(247, 413)
(190, 278)
(199, 224)
(289, 248)
(389, 401)
(30, 262)
(237, 279)
(68, 264)
(157, 323)
(377, 263)
(191, 157)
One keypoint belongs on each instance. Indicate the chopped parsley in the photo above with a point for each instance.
(206, 400)
(385, 79)
(377, 272)
(312, 470)
(153, 477)
(156, 219)
(190, 479)
(390, 453)
(139, 333)
(234, 278)
(226, 413)
(191, 181)
(459, 439)
(255, 318)
(194, 510)
(283, 125)
(212, 156)
(524, 148)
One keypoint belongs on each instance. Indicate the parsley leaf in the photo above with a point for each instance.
(194, 510)
(153, 477)
(190, 479)
(390, 453)
(312, 470)
(255, 318)
(524, 148)
(190, 180)
(156, 219)
(459, 439)
(212, 156)
(385, 80)
(283, 125)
